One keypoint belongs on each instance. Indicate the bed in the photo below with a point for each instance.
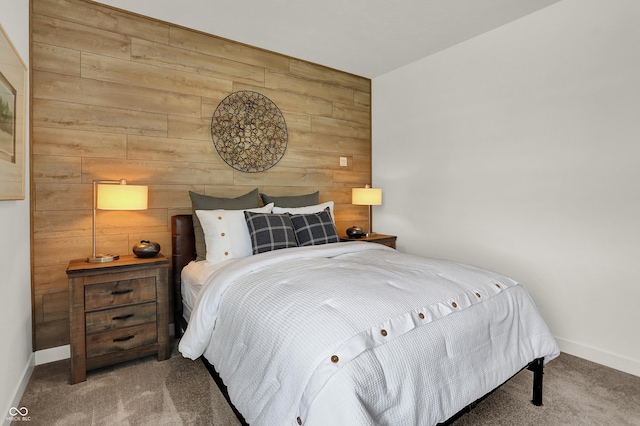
(350, 333)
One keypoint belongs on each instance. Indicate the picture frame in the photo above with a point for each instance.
(7, 120)
(13, 81)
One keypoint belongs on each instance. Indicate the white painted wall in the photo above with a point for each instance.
(16, 357)
(519, 151)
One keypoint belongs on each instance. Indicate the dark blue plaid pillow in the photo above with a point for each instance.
(314, 228)
(270, 231)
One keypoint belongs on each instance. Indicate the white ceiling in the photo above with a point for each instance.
(364, 37)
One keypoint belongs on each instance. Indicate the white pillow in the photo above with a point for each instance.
(226, 234)
(317, 208)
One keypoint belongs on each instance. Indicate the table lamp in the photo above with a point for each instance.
(367, 196)
(115, 195)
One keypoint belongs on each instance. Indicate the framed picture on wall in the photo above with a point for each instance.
(7, 120)
(13, 79)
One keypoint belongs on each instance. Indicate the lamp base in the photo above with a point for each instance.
(371, 234)
(103, 258)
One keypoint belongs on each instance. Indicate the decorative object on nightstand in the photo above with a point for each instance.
(146, 248)
(355, 232)
(118, 311)
(114, 195)
(367, 196)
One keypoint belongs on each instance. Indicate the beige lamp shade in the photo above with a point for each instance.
(114, 195)
(122, 197)
(366, 196)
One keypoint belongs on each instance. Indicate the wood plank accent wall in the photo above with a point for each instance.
(116, 95)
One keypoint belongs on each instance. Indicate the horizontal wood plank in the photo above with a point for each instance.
(352, 113)
(294, 102)
(51, 334)
(157, 172)
(49, 279)
(280, 176)
(182, 128)
(56, 169)
(332, 126)
(170, 81)
(55, 59)
(84, 38)
(55, 306)
(104, 18)
(362, 99)
(173, 150)
(175, 58)
(172, 196)
(319, 160)
(330, 76)
(94, 92)
(78, 143)
(288, 83)
(65, 115)
(329, 143)
(62, 196)
(216, 46)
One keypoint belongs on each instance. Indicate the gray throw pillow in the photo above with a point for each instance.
(207, 202)
(291, 200)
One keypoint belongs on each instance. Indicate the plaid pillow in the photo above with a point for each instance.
(270, 231)
(315, 228)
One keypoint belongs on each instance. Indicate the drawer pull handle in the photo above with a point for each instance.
(122, 317)
(124, 339)
(116, 292)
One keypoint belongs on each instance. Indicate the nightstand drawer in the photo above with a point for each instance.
(120, 340)
(114, 293)
(117, 318)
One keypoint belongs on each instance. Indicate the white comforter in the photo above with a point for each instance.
(360, 334)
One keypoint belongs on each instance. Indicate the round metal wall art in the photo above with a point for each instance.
(249, 132)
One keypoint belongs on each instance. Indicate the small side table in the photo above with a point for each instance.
(386, 240)
(119, 311)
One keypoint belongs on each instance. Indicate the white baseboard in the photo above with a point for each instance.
(628, 365)
(58, 353)
(17, 396)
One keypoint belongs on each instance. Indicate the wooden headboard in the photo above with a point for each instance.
(183, 246)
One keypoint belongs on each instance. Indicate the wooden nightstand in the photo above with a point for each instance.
(118, 312)
(386, 240)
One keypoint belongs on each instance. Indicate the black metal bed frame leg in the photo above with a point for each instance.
(537, 366)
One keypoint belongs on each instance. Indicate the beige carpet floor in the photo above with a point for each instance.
(180, 392)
